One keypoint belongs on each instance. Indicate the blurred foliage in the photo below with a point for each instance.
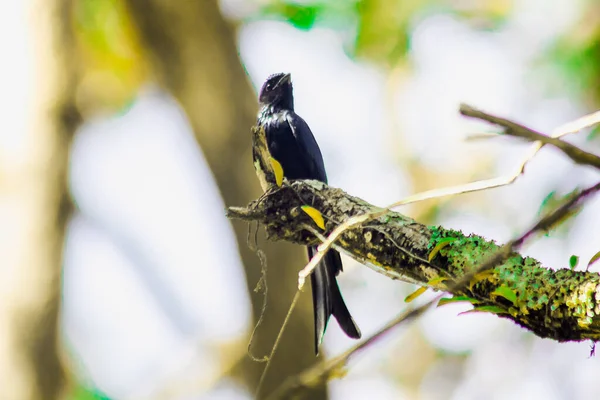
(376, 31)
(113, 64)
(299, 15)
(81, 392)
(576, 57)
(380, 29)
(383, 28)
(576, 54)
(337, 14)
(488, 15)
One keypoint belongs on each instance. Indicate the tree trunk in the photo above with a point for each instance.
(34, 206)
(193, 52)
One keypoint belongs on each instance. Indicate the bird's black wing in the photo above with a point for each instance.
(308, 146)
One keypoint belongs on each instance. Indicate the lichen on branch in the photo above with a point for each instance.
(562, 304)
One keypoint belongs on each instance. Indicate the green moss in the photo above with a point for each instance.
(520, 280)
(393, 217)
(464, 253)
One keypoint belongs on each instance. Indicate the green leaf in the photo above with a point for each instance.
(573, 261)
(456, 299)
(440, 245)
(506, 292)
(594, 133)
(547, 202)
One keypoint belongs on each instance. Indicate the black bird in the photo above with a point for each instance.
(291, 142)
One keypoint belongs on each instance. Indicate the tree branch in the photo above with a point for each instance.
(462, 285)
(297, 384)
(562, 305)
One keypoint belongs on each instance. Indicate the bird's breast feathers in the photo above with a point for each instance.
(268, 117)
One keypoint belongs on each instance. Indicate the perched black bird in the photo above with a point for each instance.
(291, 142)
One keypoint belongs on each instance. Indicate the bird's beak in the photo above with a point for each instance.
(285, 79)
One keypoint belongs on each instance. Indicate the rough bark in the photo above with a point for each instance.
(194, 54)
(562, 304)
(35, 201)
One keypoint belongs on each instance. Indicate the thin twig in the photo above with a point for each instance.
(276, 344)
(316, 373)
(563, 130)
(390, 273)
(261, 286)
(514, 129)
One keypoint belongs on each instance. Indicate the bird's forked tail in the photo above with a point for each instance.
(327, 299)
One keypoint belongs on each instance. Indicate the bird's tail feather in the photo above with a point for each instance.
(327, 299)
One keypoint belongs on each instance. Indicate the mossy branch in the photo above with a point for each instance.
(562, 304)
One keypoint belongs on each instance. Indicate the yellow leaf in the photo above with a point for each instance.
(278, 170)
(338, 373)
(480, 277)
(436, 281)
(315, 215)
(415, 294)
(443, 243)
(595, 258)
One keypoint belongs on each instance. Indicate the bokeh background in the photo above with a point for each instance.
(126, 132)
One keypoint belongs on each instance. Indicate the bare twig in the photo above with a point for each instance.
(316, 374)
(514, 129)
(276, 344)
(262, 287)
(563, 130)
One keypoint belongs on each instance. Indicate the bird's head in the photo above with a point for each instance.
(277, 92)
